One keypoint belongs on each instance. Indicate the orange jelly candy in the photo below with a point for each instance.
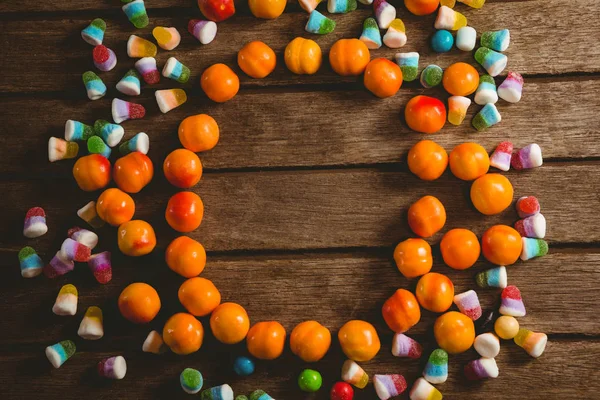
(425, 114)
(266, 340)
(359, 340)
(257, 59)
(199, 296)
(219, 83)
(427, 160)
(454, 332)
(136, 238)
(422, 7)
(413, 257)
(491, 194)
(139, 303)
(184, 211)
(182, 168)
(133, 171)
(426, 216)
(401, 311)
(92, 172)
(469, 161)
(198, 132)
(186, 257)
(183, 333)
(435, 292)
(383, 77)
(310, 341)
(349, 57)
(501, 245)
(229, 323)
(115, 206)
(460, 248)
(460, 79)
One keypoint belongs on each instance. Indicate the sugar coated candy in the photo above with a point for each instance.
(91, 327)
(449, 19)
(500, 158)
(113, 367)
(319, 24)
(385, 13)
(104, 58)
(340, 6)
(130, 83)
(468, 304)
(529, 156)
(532, 227)
(395, 37)
(204, 31)
(136, 13)
(487, 345)
(492, 278)
(486, 91)
(96, 145)
(35, 223)
(175, 70)
(492, 61)
(310, 381)
(124, 110)
(223, 392)
(101, 267)
(486, 322)
(31, 264)
(457, 109)
(60, 352)
(310, 5)
(353, 374)
(66, 301)
(147, 68)
(466, 38)
(241, 397)
(486, 117)
(110, 133)
(404, 346)
(511, 88)
(442, 41)
(473, 3)
(169, 99)
(341, 391)
(58, 266)
(534, 343)
(138, 47)
(436, 369)
(60, 149)
(191, 380)
(259, 395)
(512, 303)
(482, 368)
(423, 390)
(431, 76)
(75, 130)
(388, 386)
(370, 34)
(409, 64)
(140, 143)
(83, 236)
(506, 327)
(533, 247)
(154, 343)
(95, 88)
(496, 40)
(528, 206)
(94, 32)
(72, 250)
(243, 366)
(88, 214)
(167, 38)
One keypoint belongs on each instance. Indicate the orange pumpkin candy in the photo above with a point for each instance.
(310, 341)
(115, 206)
(349, 57)
(136, 238)
(303, 56)
(383, 77)
(220, 83)
(359, 340)
(413, 257)
(256, 59)
(266, 340)
(133, 171)
(92, 172)
(183, 333)
(426, 216)
(401, 311)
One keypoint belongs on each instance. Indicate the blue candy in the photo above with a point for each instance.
(442, 41)
(243, 366)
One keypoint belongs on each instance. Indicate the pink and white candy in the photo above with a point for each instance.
(468, 304)
(483, 368)
(385, 13)
(101, 267)
(532, 227)
(500, 158)
(112, 368)
(83, 236)
(512, 87)
(388, 386)
(404, 346)
(73, 250)
(512, 303)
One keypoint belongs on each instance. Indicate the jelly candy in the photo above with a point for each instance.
(487, 345)
(492, 278)
(436, 369)
(241, 397)
(136, 13)
(527, 206)
(385, 13)
(140, 143)
(512, 303)
(35, 223)
(175, 70)
(243, 366)
(395, 37)
(388, 386)
(138, 47)
(72, 250)
(31, 264)
(83, 236)
(123, 110)
(318, 23)
(91, 325)
(88, 214)
(223, 392)
(310, 5)
(191, 380)
(466, 38)
(457, 109)
(154, 343)
(431, 76)
(370, 34)
(340, 6)
(130, 83)
(468, 304)
(486, 91)
(66, 301)
(473, 3)
(533, 247)
(492, 61)
(482, 368)
(404, 346)
(60, 352)
(75, 130)
(96, 145)
(101, 267)
(486, 117)
(353, 374)
(110, 133)
(423, 390)
(94, 32)
(310, 381)
(500, 158)
(442, 41)
(58, 266)
(204, 31)
(95, 88)
(112, 368)
(409, 64)
(496, 40)
(449, 19)
(167, 38)
(532, 227)
(511, 88)
(147, 68)
(259, 395)
(341, 391)
(104, 58)
(506, 327)
(60, 149)
(169, 99)
(529, 156)
(533, 343)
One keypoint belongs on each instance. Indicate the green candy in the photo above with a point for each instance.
(241, 397)
(26, 252)
(96, 145)
(438, 357)
(310, 381)
(260, 395)
(431, 76)
(69, 347)
(90, 76)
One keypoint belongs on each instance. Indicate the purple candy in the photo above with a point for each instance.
(481, 369)
(101, 267)
(404, 346)
(58, 266)
(112, 368)
(73, 250)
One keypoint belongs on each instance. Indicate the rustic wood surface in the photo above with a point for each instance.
(306, 196)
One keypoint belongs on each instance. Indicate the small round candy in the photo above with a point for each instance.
(310, 381)
(256, 59)
(383, 77)
(359, 340)
(191, 380)
(460, 79)
(267, 9)
(115, 206)
(401, 311)
(506, 327)
(469, 161)
(442, 41)
(183, 333)
(184, 211)
(92, 172)
(435, 292)
(186, 257)
(198, 132)
(349, 57)
(501, 245)
(460, 248)
(491, 194)
(422, 7)
(133, 172)
(413, 257)
(427, 160)
(266, 340)
(199, 296)
(182, 168)
(425, 114)
(303, 56)
(139, 303)
(136, 238)
(454, 332)
(426, 216)
(229, 323)
(310, 341)
(220, 83)
(243, 366)
(341, 391)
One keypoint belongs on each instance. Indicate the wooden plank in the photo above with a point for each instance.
(63, 56)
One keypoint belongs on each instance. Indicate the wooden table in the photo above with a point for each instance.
(306, 196)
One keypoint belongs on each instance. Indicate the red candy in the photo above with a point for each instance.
(528, 206)
(136, 111)
(217, 10)
(35, 212)
(100, 54)
(342, 391)
(425, 114)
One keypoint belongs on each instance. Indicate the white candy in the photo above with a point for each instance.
(423, 390)
(466, 38)
(91, 325)
(85, 237)
(154, 343)
(487, 345)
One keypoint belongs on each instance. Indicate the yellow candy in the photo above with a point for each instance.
(138, 47)
(167, 38)
(91, 326)
(506, 327)
(470, 3)
(449, 3)
(60, 149)
(397, 25)
(449, 19)
(68, 289)
(534, 343)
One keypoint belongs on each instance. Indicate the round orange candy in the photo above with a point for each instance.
(139, 303)
(229, 323)
(421, 7)
(469, 161)
(359, 340)
(426, 216)
(460, 248)
(115, 206)
(435, 292)
(349, 57)
(267, 9)
(199, 296)
(92, 172)
(491, 194)
(182, 168)
(401, 311)
(501, 245)
(184, 211)
(310, 341)
(427, 160)
(136, 238)
(425, 114)
(186, 257)
(303, 56)
(460, 79)
(133, 171)
(198, 133)
(183, 333)
(413, 257)
(454, 332)
(266, 340)
(220, 83)
(383, 77)
(257, 59)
